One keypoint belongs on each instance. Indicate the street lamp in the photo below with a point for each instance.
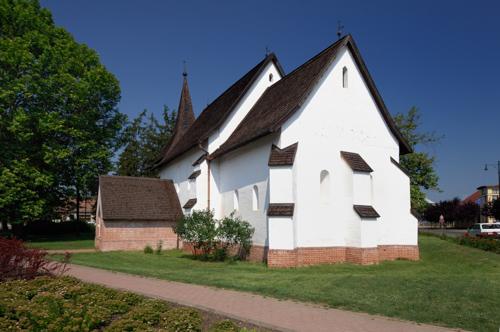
(498, 169)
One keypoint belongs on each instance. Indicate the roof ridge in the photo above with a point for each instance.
(133, 177)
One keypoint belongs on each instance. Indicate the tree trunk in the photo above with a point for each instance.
(4, 226)
(77, 204)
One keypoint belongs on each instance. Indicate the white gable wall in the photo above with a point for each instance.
(179, 170)
(260, 84)
(335, 119)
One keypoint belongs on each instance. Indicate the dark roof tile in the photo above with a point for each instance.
(366, 211)
(356, 162)
(194, 175)
(280, 209)
(138, 198)
(282, 157)
(190, 203)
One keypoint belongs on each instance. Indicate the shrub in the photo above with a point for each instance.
(182, 320)
(225, 326)
(148, 249)
(200, 230)
(480, 243)
(159, 247)
(19, 262)
(237, 233)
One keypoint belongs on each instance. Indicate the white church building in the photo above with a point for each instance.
(309, 158)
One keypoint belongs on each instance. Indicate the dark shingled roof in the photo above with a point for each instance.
(200, 159)
(214, 114)
(398, 165)
(136, 198)
(355, 161)
(282, 157)
(280, 209)
(282, 99)
(366, 211)
(194, 175)
(190, 203)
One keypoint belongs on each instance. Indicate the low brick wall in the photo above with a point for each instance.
(326, 255)
(331, 255)
(135, 235)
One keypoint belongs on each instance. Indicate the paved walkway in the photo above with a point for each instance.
(265, 312)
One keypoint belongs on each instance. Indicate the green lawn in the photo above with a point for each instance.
(452, 285)
(84, 241)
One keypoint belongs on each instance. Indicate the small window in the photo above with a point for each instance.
(324, 187)
(255, 198)
(344, 77)
(270, 77)
(236, 200)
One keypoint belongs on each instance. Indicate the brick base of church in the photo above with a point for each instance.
(331, 255)
(327, 255)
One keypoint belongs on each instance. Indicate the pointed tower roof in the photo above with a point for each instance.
(185, 114)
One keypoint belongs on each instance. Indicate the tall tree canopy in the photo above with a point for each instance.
(420, 165)
(59, 122)
(145, 138)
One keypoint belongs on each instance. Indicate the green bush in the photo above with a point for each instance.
(148, 249)
(182, 320)
(200, 229)
(237, 233)
(213, 238)
(480, 243)
(225, 326)
(159, 247)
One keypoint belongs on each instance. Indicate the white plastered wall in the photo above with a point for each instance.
(180, 169)
(241, 170)
(335, 119)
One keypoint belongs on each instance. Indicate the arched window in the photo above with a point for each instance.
(270, 77)
(255, 198)
(344, 77)
(236, 200)
(324, 187)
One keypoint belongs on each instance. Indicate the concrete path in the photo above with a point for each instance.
(255, 309)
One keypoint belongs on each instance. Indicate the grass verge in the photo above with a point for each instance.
(451, 285)
(62, 242)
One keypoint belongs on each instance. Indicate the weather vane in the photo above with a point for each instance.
(340, 28)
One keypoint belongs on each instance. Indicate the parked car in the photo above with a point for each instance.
(485, 230)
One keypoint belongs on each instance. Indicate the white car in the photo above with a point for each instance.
(485, 230)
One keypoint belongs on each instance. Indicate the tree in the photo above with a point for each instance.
(462, 214)
(420, 165)
(59, 122)
(144, 140)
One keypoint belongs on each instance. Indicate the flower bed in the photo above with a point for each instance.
(66, 304)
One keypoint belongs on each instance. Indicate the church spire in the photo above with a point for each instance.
(185, 114)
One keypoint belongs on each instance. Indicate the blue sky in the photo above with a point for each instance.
(441, 56)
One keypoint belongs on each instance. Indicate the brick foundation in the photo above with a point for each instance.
(134, 235)
(331, 255)
(326, 255)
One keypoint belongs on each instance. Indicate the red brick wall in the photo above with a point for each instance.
(392, 252)
(330, 255)
(134, 235)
